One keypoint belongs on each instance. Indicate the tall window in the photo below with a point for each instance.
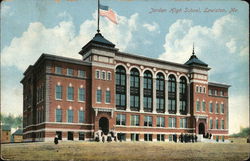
(81, 116)
(148, 92)
(211, 107)
(148, 121)
(222, 124)
(81, 94)
(99, 95)
(97, 74)
(160, 137)
(183, 123)
(134, 137)
(134, 90)
(135, 120)
(198, 105)
(203, 106)
(211, 124)
(183, 95)
(171, 94)
(58, 92)
(217, 124)
(70, 94)
(171, 122)
(215, 92)
(222, 108)
(58, 70)
(217, 108)
(109, 76)
(107, 97)
(210, 92)
(103, 75)
(160, 122)
(120, 119)
(120, 76)
(58, 115)
(160, 90)
(69, 72)
(70, 115)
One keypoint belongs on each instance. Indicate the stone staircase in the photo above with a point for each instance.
(206, 140)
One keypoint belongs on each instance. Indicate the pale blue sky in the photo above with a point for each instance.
(220, 39)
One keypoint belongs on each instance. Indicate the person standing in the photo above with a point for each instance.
(56, 140)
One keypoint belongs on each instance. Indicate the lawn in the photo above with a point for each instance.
(235, 151)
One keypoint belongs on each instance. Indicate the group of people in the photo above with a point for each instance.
(187, 138)
(110, 136)
(208, 135)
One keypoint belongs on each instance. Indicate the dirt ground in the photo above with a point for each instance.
(236, 151)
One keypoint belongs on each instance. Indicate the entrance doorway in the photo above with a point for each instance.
(201, 128)
(104, 125)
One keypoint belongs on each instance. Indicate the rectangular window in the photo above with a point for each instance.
(210, 92)
(81, 116)
(217, 108)
(107, 96)
(81, 94)
(135, 120)
(81, 136)
(148, 120)
(97, 74)
(70, 115)
(99, 96)
(120, 119)
(70, 94)
(215, 92)
(203, 106)
(58, 70)
(160, 122)
(134, 137)
(211, 107)
(197, 105)
(183, 123)
(58, 115)
(81, 73)
(160, 137)
(221, 93)
(211, 124)
(109, 76)
(58, 92)
(170, 137)
(217, 124)
(147, 137)
(171, 122)
(222, 124)
(69, 72)
(222, 108)
(103, 75)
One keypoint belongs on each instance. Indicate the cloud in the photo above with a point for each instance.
(62, 39)
(152, 27)
(238, 117)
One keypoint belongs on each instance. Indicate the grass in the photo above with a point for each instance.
(126, 151)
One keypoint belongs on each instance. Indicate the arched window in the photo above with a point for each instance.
(134, 90)
(171, 94)
(120, 83)
(183, 95)
(160, 90)
(147, 99)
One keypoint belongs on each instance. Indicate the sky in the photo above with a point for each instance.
(158, 29)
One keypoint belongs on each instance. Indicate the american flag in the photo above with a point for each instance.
(106, 12)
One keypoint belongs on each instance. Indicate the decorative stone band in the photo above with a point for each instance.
(147, 127)
(104, 109)
(61, 123)
(57, 129)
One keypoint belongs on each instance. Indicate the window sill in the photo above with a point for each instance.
(58, 99)
(81, 101)
(70, 100)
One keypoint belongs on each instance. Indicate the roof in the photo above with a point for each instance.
(5, 128)
(193, 60)
(18, 132)
(219, 84)
(98, 40)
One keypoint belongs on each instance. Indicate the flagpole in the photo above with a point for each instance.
(98, 17)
